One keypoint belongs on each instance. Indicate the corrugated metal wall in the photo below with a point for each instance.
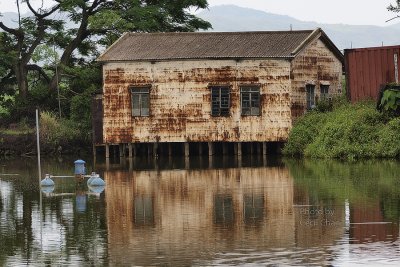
(367, 69)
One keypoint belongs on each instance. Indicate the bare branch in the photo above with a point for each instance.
(398, 16)
(14, 32)
(42, 73)
(39, 15)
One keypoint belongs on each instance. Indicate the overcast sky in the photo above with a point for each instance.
(358, 12)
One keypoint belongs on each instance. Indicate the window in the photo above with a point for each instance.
(324, 91)
(140, 101)
(310, 96)
(144, 211)
(220, 101)
(250, 97)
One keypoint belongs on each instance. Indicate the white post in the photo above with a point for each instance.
(38, 144)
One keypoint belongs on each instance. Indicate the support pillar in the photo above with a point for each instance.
(107, 151)
(210, 149)
(258, 148)
(135, 149)
(264, 149)
(224, 148)
(186, 149)
(155, 149)
(121, 150)
(200, 149)
(130, 150)
(251, 148)
(239, 148)
(148, 149)
(169, 149)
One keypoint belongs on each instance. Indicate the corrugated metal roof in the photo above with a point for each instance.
(208, 45)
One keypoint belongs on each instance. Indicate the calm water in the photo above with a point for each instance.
(200, 213)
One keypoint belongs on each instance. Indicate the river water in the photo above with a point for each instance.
(201, 212)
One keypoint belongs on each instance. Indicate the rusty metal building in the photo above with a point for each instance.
(369, 69)
(211, 91)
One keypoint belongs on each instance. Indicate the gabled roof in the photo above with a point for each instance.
(213, 45)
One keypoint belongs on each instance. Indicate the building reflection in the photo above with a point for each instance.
(180, 214)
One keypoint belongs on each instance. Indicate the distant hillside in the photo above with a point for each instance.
(234, 18)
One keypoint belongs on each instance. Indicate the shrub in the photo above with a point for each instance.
(58, 133)
(349, 131)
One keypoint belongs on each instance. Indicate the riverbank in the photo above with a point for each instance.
(349, 131)
(57, 137)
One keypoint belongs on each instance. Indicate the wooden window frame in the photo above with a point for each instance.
(220, 100)
(142, 95)
(310, 98)
(250, 100)
(324, 91)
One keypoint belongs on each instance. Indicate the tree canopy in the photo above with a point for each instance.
(77, 30)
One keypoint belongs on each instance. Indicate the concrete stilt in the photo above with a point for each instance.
(187, 149)
(169, 149)
(121, 150)
(130, 150)
(239, 148)
(264, 149)
(155, 150)
(224, 148)
(107, 151)
(210, 149)
(135, 149)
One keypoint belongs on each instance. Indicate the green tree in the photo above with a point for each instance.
(78, 28)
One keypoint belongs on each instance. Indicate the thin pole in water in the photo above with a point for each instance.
(38, 144)
(40, 175)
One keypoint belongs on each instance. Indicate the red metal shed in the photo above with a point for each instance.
(368, 69)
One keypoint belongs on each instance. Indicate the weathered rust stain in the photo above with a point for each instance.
(180, 98)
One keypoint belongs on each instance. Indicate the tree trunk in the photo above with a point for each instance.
(21, 74)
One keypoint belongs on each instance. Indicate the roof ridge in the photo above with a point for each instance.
(219, 33)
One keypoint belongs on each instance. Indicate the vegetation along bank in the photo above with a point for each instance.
(347, 131)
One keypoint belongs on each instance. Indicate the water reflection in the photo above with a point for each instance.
(290, 212)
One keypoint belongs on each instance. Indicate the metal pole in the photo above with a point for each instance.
(40, 175)
(58, 89)
(38, 144)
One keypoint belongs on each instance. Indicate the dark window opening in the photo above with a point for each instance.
(324, 92)
(220, 101)
(310, 96)
(140, 101)
(250, 97)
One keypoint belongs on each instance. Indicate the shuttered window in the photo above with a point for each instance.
(140, 101)
(220, 101)
(250, 98)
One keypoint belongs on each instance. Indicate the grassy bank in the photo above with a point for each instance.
(57, 136)
(348, 131)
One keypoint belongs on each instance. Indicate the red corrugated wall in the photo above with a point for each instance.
(367, 69)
